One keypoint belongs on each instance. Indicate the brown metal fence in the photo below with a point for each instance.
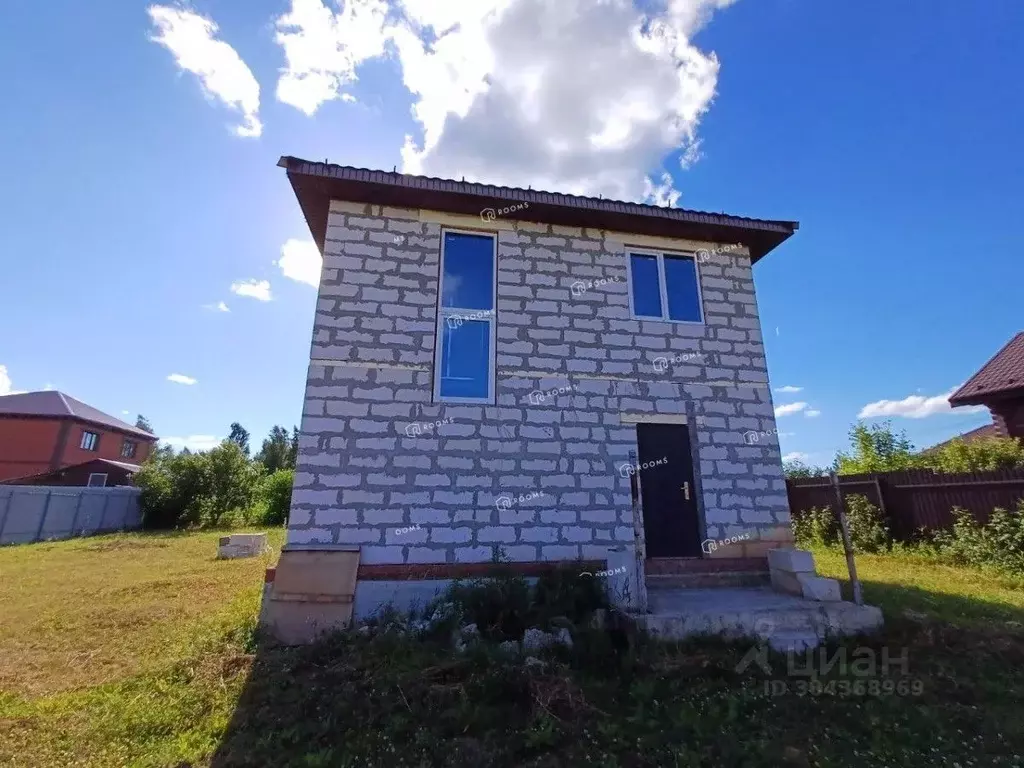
(917, 498)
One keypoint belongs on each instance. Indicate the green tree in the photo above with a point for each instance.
(143, 423)
(232, 481)
(277, 451)
(797, 469)
(294, 453)
(239, 436)
(986, 454)
(876, 448)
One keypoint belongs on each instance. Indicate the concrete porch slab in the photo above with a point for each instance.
(758, 612)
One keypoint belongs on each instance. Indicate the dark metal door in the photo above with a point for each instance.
(669, 500)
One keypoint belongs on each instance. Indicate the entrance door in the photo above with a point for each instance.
(667, 494)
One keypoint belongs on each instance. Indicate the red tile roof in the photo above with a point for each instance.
(1003, 373)
(58, 405)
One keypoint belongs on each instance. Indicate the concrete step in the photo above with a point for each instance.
(705, 580)
(792, 642)
(756, 612)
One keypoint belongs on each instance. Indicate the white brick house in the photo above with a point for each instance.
(489, 366)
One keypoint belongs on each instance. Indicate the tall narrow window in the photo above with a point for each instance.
(464, 357)
(90, 441)
(665, 286)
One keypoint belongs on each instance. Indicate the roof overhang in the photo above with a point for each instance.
(316, 184)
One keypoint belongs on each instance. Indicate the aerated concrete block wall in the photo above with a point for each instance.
(538, 473)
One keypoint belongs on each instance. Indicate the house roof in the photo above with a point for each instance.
(316, 184)
(980, 433)
(1002, 375)
(58, 405)
(131, 468)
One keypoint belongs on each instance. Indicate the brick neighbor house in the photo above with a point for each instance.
(999, 386)
(43, 432)
(505, 368)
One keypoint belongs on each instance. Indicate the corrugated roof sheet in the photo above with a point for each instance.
(316, 183)
(57, 404)
(1003, 373)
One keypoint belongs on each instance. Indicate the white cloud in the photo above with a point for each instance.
(191, 38)
(253, 289)
(915, 407)
(789, 408)
(220, 306)
(812, 414)
(573, 96)
(126, 413)
(301, 261)
(6, 385)
(796, 456)
(180, 378)
(322, 49)
(193, 442)
(788, 390)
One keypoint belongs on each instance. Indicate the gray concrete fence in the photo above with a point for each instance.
(39, 513)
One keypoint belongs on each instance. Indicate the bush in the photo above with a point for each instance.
(818, 526)
(982, 455)
(503, 606)
(276, 497)
(868, 530)
(197, 489)
(998, 544)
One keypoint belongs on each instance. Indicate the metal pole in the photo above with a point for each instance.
(42, 519)
(74, 519)
(847, 544)
(3, 520)
(103, 512)
(639, 536)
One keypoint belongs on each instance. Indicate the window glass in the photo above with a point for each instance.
(468, 281)
(465, 359)
(646, 285)
(681, 288)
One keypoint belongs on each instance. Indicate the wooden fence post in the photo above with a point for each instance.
(847, 544)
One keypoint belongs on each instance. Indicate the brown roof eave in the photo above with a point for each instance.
(316, 184)
(984, 398)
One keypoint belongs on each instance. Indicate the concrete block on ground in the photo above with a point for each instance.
(241, 545)
(820, 589)
(791, 560)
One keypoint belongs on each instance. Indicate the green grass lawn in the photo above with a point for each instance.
(138, 650)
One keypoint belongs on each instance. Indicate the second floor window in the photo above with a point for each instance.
(90, 441)
(128, 449)
(664, 286)
(464, 352)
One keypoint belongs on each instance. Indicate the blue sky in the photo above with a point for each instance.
(132, 206)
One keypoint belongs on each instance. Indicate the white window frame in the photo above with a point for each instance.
(93, 445)
(91, 484)
(125, 454)
(444, 312)
(663, 284)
